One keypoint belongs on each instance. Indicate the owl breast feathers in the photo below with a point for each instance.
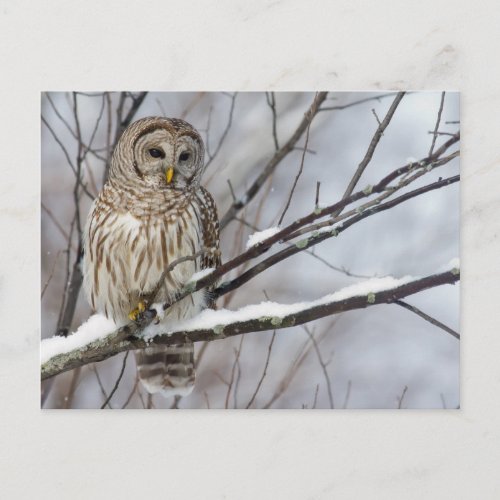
(151, 212)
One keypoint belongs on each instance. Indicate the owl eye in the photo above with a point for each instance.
(184, 156)
(156, 153)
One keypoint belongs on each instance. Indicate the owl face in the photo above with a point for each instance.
(166, 154)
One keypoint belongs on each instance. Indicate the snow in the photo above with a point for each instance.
(96, 327)
(209, 318)
(158, 307)
(200, 274)
(411, 159)
(256, 238)
(450, 266)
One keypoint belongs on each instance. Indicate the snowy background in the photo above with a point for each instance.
(371, 355)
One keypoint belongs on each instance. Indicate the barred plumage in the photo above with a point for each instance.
(139, 224)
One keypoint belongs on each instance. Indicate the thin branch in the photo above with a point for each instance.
(271, 102)
(428, 318)
(290, 373)
(237, 383)
(123, 122)
(117, 383)
(318, 238)
(51, 274)
(58, 114)
(347, 395)
(373, 144)
(322, 364)
(231, 189)
(224, 134)
(376, 117)
(231, 380)
(438, 121)
(273, 162)
(59, 142)
(449, 134)
(68, 400)
(266, 364)
(400, 398)
(103, 391)
(55, 221)
(207, 401)
(361, 101)
(297, 177)
(315, 397)
(132, 392)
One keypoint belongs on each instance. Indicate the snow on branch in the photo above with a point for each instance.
(256, 238)
(94, 342)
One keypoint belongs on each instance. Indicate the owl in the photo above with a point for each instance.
(152, 211)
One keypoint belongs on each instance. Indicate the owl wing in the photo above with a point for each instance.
(210, 234)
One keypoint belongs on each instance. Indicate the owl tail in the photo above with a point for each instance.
(168, 370)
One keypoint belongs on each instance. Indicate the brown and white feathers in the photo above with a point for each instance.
(152, 211)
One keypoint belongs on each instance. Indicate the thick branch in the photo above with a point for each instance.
(108, 346)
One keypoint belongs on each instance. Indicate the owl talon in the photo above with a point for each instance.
(136, 313)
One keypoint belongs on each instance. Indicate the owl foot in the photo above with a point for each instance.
(136, 313)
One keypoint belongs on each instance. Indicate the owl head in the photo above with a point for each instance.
(163, 153)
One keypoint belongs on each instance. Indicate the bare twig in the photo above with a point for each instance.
(315, 239)
(315, 397)
(299, 173)
(231, 189)
(211, 156)
(122, 122)
(373, 144)
(266, 364)
(99, 381)
(51, 274)
(59, 142)
(443, 401)
(207, 401)
(271, 102)
(360, 101)
(428, 318)
(55, 221)
(322, 364)
(58, 114)
(117, 383)
(68, 400)
(273, 162)
(132, 392)
(289, 375)
(231, 380)
(376, 117)
(400, 398)
(347, 395)
(438, 121)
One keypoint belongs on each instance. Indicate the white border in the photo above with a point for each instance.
(283, 45)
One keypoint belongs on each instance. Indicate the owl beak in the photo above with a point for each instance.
(169, 174)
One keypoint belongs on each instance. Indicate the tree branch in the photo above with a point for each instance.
(109, 346)
(274, 161)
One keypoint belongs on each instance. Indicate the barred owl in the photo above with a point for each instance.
(151, 212)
